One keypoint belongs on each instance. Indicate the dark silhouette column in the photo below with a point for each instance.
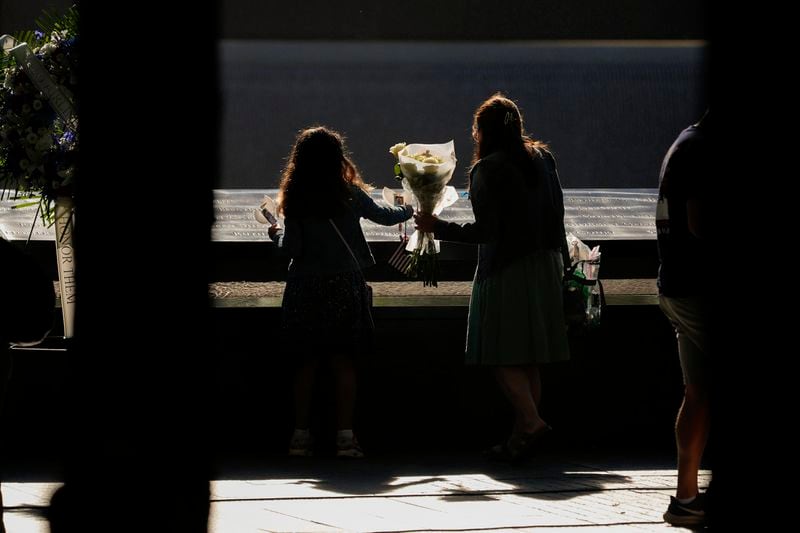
(138, 454)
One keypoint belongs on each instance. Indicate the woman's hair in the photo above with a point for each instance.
(315, 181)
(500, 123)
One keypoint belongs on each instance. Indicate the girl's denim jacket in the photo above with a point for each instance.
(316, 250)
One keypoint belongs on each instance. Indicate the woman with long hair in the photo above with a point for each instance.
(516, 319)
(325, 313)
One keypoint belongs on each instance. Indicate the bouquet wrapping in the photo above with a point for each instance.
(425, 170)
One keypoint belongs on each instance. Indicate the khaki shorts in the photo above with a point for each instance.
(691, 332)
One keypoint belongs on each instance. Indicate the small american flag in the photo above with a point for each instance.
(400, 259)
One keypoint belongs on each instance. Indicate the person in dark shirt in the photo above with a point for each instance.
(516, 317)
(682, 249)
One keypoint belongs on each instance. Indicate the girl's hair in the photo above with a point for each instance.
(500, 125)
(318, 172)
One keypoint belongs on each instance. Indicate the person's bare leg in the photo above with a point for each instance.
(691, 434)
(345, 374)
(535, 380)
(516, 386)
(304, 380)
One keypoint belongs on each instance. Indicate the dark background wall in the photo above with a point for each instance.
(464, 19)
(608, 110)
(424, 19)
(384, 72)
(18, 15)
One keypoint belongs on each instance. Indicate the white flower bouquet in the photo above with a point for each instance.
(425, 170)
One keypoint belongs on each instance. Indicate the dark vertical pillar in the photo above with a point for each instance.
(138, 453)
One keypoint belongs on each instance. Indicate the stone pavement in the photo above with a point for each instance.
(412, 293)
(274, 289)
(639, 291)
(400, 494)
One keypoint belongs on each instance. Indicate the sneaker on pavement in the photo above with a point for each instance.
(301, 445)
(348, 447)
(690, 514)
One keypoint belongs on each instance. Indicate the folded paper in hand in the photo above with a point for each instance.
(265, 213)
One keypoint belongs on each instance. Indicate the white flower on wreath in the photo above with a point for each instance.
(48, 48)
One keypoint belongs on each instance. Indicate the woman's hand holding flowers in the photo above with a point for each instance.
(424, 222)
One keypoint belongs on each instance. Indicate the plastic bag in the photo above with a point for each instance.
(583, 292)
